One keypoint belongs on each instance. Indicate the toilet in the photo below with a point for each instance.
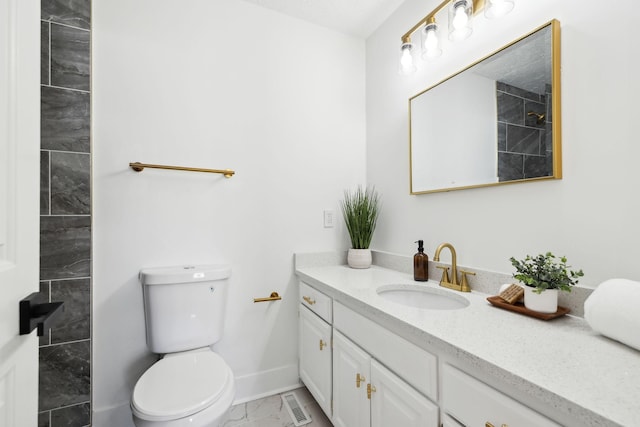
(184, 314)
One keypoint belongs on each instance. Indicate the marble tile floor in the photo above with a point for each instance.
(271, 412)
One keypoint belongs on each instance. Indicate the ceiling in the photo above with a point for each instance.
(356, 17)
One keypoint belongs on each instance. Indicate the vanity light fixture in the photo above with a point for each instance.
(461, 14)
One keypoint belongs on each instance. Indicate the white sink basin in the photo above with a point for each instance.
(421, 296)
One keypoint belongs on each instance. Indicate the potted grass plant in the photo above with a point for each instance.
(360, 210)
(544, 275)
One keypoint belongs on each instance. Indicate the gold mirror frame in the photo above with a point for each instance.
(556, 128)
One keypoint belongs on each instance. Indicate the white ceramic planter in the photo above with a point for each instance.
(545, 302)
(359, 258)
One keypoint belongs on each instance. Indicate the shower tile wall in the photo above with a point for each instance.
(522, 137)
(65, 212)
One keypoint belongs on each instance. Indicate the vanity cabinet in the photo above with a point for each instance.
(474, 403)
(367, 394)
(375, 343)
(315, 362)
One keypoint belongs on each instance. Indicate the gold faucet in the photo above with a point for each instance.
(453, 283)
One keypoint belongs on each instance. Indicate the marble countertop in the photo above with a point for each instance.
(563, 363)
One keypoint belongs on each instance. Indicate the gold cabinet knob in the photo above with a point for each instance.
(488, 424)
(309, 300)
(370, 389)
(359, 379)
(322, 345)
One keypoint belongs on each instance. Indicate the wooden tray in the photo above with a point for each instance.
(520, 308)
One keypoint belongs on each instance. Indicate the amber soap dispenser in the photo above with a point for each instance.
(420, 264)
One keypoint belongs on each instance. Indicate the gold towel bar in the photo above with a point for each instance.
(139, 167)
(273, 297)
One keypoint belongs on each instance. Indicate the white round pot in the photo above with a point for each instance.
(359, 258)
(545, 302)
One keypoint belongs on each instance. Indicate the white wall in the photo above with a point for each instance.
(591, 215)
(215, 84)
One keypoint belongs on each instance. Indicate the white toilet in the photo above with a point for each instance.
(184, 314)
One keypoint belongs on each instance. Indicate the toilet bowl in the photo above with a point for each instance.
(188, 389)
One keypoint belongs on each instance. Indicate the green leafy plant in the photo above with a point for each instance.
(545, 271)
(360, 210)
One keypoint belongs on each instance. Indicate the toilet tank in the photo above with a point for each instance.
(184, 306)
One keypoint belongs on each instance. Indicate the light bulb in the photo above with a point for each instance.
(407, 60)
(432, 40)
(430, 46)
(498, 8)
(460, 18)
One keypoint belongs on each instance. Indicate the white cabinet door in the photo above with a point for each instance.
(395, 403)
(351, 374)
(315, 357)
(19, 210)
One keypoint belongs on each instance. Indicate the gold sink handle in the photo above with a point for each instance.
(464, 284)
(445, 273)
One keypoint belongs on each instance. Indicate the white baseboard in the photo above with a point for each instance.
(112, 416)
(266, 383)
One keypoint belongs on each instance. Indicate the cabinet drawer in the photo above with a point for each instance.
(474, 403)
(316, 301)
(413, 364)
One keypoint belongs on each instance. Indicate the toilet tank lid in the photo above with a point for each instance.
(184, 274)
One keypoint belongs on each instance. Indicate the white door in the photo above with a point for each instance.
(19, 205)
(350, 378)
(396, 403)
(315, 357)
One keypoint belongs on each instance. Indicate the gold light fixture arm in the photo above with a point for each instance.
(429, 18)
(139, 167)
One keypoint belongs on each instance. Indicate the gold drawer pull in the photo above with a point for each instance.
(322, 345)
(273, 297)
(370, 389)
(309, 300)
(359, 379)
(488, 424)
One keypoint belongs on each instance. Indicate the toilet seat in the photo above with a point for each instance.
(180, 385)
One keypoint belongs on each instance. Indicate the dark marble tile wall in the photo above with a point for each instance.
(65, 212)
(549, 128)
(524, 149)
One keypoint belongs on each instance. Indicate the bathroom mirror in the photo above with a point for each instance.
(495, 122)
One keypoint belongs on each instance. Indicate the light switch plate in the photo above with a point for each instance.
(329, 218)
